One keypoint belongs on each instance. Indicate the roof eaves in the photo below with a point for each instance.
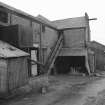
(26, 15)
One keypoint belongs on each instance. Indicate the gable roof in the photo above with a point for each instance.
(97, 45)
(9, 51)
(76, 22)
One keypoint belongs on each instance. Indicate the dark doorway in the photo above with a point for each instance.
(65, 63)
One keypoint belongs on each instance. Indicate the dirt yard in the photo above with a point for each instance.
(64, 90)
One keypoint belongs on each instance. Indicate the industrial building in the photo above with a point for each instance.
(61, 46)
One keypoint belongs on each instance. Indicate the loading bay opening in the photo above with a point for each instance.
(69, 64)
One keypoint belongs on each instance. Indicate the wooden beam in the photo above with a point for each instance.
(92, 19)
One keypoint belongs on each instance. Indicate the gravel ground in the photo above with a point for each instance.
(61, 90)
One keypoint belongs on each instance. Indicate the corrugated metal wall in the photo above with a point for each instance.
(3, 76)
(99, 59)
(74, 38)
(17, 72)
(36, 32)
(25, 36)
(49, 38)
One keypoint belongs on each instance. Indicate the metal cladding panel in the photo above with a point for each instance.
(19, 20)
(74, 38)
(36, 32)
(17, 35)
(18, 69)
(25, 36)
(3, 76)
(49, 37)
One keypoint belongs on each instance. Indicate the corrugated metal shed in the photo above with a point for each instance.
(8, 51)
(70, 23)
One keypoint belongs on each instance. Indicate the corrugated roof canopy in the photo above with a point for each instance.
(70, 23)
(9, 51)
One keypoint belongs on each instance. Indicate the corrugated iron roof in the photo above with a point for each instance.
(97, 45)
(9, 51)
(70, 23)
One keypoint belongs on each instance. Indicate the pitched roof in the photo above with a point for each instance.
(9, 51)
(97, 45)
(45, 20)
(70, 23)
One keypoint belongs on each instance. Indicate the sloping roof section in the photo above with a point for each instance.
(96, 45)
(70, 23)
(45, 20)
(9, 51)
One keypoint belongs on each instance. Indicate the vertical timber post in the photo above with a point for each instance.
(40, 50)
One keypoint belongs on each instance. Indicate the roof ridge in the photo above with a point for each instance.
(66, 19)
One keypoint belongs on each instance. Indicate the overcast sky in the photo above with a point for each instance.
(60, 9)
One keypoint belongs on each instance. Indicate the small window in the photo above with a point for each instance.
(3, 16)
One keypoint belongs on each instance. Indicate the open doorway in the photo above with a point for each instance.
(34, 71)
(66, 64)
